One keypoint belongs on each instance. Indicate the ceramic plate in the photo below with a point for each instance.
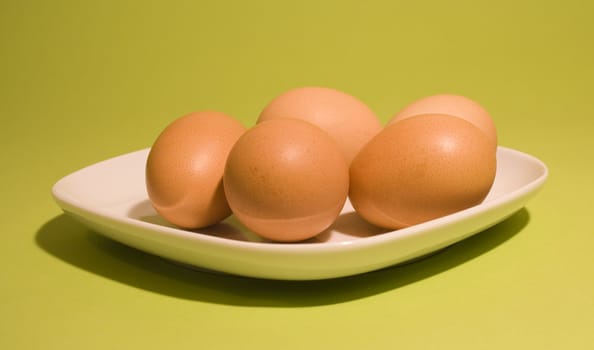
(110, 198)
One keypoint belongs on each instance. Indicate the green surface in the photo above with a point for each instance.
(84, 81)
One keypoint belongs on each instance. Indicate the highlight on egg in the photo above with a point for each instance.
(421, 168)
(348, 120)
(184, 169)
(454, 105)
(286, 180)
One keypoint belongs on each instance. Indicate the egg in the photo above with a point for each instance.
(455, 105)
(286, 180)
(184, 168)
(421, 168)
(349, 121)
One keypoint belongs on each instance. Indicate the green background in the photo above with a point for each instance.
(85, 81)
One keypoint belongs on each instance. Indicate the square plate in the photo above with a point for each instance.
(110, 197)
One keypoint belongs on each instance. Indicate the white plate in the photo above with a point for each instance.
(110, 197)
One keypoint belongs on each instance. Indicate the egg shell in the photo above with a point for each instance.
(455, 105)
(349, 121)
(184, 169)
(421, 168)
(286, 180)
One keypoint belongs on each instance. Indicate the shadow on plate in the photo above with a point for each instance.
(70, 241)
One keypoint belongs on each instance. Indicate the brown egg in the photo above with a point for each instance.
(184, 169)
(456, 105)
(286, 180)
(345, 118)
(421, 168)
